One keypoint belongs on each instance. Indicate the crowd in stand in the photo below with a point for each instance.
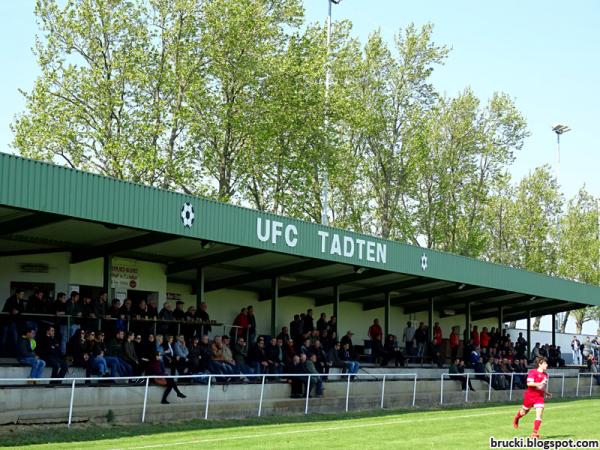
(109, 348)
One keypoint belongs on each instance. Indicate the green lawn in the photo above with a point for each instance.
(468, 428)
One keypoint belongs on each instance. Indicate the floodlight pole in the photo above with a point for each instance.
(325, 189)
(559, 129)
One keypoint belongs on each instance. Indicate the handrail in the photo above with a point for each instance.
(210, 377)
(592, 375)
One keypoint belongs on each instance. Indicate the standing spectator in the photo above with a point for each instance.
(202, 315)
(475, 338)
(101, 305)
(437, 344)
(309, 325)
(408, 337)
(166, 313)
(421, 340)
(375, 333)
(155, 368)
(322, 323)
(454, 344)
(49, 351)
(296, 382)
(332, 325)
(75, 310)
(14, 306)
(484, 338)
(60, 309)
(347, 339)
(536, 352)
(26, 355)
(251, 325)
(241, 324)
(179, 313)
(284, 335)
(152, 308)
(296, 327)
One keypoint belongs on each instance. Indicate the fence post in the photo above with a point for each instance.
(383, 390)
(577, 390)
(307, 395)
(591, 379)
(71, 403)
(207, 397)
(262, 390)
(490, 387)
(512, 380)
(562, 386)
(442, 390)
(414, 390)
(145, 399)
(467, 389)
(347, 390)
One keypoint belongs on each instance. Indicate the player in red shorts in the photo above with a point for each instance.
(537, 391)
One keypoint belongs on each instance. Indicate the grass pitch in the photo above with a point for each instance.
(468, 428)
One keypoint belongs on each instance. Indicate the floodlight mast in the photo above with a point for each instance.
(559, 129)
(325, 189)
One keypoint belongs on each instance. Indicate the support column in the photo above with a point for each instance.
(274, 302)
(430, 318)
(386, 325)
(107, 276)
(336, 307)
(199, 286)
(553, 329)
(528, 335)
(501, 317)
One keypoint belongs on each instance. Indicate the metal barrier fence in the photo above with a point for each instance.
(592, 376)
(210, 378)
(487, 375)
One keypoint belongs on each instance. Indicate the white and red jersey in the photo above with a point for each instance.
(534, 396)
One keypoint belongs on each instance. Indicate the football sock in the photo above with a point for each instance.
(519, 415)
(536, 425)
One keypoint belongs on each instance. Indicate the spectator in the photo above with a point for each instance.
(592, 368)
(49, 351)
(391, 350)
(309, 368)
(130, 356)
(181, 355)
(375, 333)
(168, 354)
(155, 368)
(456, 371)
(166, 313)
(347, 339)
(332, 326)
(152, 308)
(194, 356)
(75, 310)
(277, 356)
(408, 337)
(421, 340)
(309, 325)
(202, 315)
(14, 306)
(115, 350)
(296, 327)
(536, 352)
(257, 358)
(479, 369)
(484, 338)
(454, 344)
(241, 324)
(126, 310)
(296, 382)
(475, 336)
(575, 344)
(77, 348)
(179, 313)
(290, 352)
(60, 309)
(284, 335)
(306, 348)
(322, 323)
(499, 379)
(240, 355)
(115, 365)
(26, 355)
(251, 324)
(437, 345)
(346, 355)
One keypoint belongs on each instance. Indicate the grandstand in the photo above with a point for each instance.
(63, 230)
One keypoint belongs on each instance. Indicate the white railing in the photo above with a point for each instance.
(489, 379)
(592, 376)
(211, 377)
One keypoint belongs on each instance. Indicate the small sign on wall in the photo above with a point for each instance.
(125, 275)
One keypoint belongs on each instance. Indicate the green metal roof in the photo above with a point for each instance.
(58, 191)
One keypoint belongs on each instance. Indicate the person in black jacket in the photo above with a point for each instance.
(26, 355)
(49, 350)
(14, 307)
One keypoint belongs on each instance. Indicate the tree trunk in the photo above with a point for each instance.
(536, 323)
(512, 324)
(565, 319)
(578, 326)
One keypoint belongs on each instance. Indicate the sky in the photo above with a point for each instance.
(543, 53)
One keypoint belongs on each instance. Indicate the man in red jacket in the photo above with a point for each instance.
(454, 344)
(376, 336)
(437, 344)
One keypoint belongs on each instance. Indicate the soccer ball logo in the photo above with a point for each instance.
(187, 215)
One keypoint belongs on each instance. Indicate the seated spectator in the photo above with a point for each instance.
(130, 356)
(309, 368)
(257, 358)
(49, 351)
(155, 368)
(290, 352)
(115, 350)
(114, 364)
(204, 318)
(592, 368)
(334, 359)
(499, 381)
(276, 356)
(284, 335)
(456, 371)
(306, 347)
(168, 354)
(347, 339)
(76, 347)
(352, 365)
(391, 351)
(181, 354)
(206, 362)
(479, 369)
(26, 355)
(322, 323)
(321, 362)
(296, 327)
(240, 355)
(194, 356)
(228, 356)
